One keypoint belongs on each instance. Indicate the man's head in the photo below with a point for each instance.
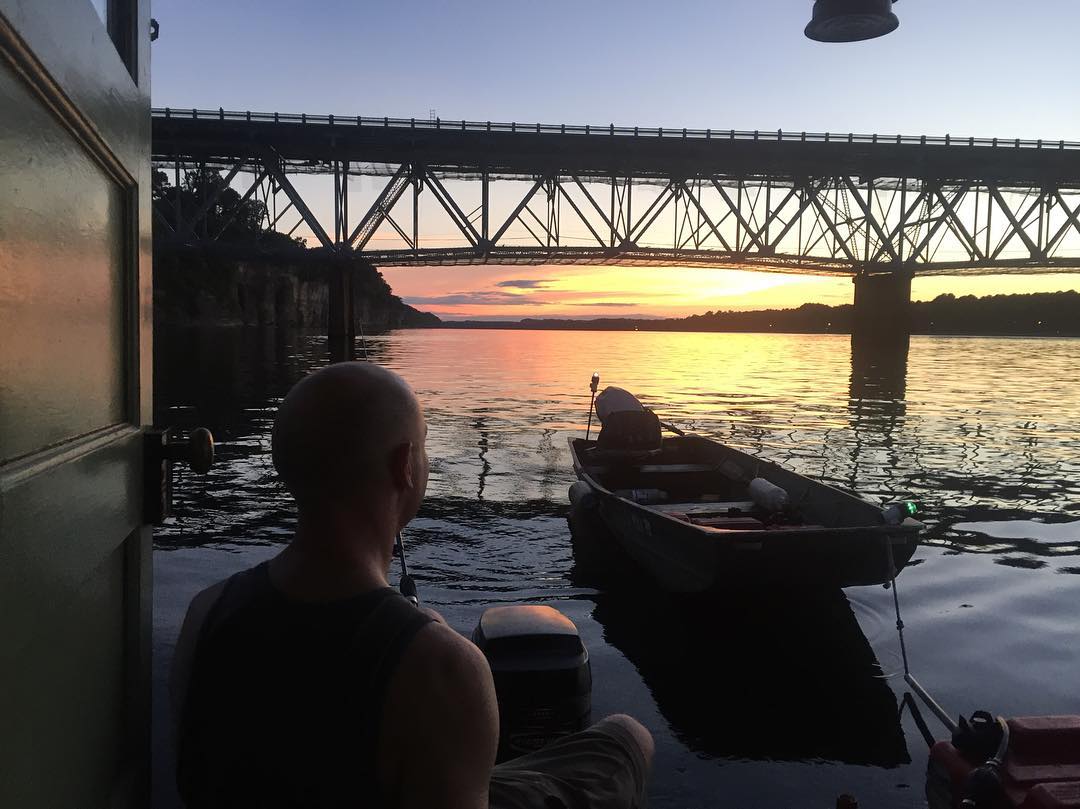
(350, 437)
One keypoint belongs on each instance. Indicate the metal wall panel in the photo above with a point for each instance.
(75, 354)
(62, 290)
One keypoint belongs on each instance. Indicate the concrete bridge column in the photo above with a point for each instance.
(341, 320)
(882, 306)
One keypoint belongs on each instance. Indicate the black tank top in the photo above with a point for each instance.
(285, 698)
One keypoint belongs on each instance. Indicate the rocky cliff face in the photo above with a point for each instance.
(224, 286)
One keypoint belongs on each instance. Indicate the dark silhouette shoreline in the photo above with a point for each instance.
(249, 274)
(1046, 314)
(229, 284)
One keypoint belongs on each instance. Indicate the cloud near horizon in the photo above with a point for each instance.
(525, 283)
(476, 297)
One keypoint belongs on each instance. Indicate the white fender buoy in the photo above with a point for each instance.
(768, 495)
(579, 491)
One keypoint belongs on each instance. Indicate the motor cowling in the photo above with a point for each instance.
(626, 424)
(543, 678)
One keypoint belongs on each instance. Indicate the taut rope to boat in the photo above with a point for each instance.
(909, 678)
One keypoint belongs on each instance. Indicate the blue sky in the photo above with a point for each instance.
(987, 68)
(992, 67)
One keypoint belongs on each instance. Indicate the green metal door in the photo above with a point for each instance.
(75, 337)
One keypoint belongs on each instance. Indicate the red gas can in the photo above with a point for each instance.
(1041, 769)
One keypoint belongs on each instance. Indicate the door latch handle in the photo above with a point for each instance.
(161, 449)
(197, 452)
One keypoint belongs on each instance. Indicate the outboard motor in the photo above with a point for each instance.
(626, 424)
(543, 679)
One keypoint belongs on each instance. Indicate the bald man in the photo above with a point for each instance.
(308, 682)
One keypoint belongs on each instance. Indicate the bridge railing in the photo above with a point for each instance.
(609, 130)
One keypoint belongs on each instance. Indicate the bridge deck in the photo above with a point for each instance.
(516, 149)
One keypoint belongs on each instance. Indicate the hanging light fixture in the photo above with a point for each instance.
(851, 20)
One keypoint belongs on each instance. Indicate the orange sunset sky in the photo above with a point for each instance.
(511, 293)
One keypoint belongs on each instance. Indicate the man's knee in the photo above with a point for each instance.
(637, 731)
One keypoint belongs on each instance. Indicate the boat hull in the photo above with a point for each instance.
(684, 560)
(682, 557)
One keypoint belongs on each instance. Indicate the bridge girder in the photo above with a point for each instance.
(820, 219)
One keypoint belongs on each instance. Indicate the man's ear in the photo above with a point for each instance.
(402, 471)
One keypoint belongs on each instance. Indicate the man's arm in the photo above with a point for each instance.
(440, 725)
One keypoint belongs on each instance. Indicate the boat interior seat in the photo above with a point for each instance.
(621, 457)
(639, 467)
(700, 508)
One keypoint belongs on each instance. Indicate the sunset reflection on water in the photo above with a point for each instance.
(981, 432)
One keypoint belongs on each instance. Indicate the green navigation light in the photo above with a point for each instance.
(911, 507)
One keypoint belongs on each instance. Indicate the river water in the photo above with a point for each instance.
(772, 701)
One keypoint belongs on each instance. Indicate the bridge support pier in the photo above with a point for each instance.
(882, 307)
(878, 377)
(341, 319)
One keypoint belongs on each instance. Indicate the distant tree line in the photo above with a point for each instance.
(1041, 313)
(230, 219)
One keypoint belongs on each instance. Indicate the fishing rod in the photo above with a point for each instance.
(407, 585)
(593, 385)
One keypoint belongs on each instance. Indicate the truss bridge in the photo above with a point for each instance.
(436, 192)
(532, 193)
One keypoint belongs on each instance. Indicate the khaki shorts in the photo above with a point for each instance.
(599, 768)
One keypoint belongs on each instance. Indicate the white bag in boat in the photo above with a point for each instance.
(613, 399)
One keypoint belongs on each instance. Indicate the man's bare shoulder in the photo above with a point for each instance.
(205, 598)
(438, 650)
(440, 666)
(440, 710)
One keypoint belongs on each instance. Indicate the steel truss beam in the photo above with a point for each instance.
(276, 168)
(827, 224)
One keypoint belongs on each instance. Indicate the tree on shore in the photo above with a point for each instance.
(230, 218)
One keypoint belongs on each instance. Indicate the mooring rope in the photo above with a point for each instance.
(909, 678)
